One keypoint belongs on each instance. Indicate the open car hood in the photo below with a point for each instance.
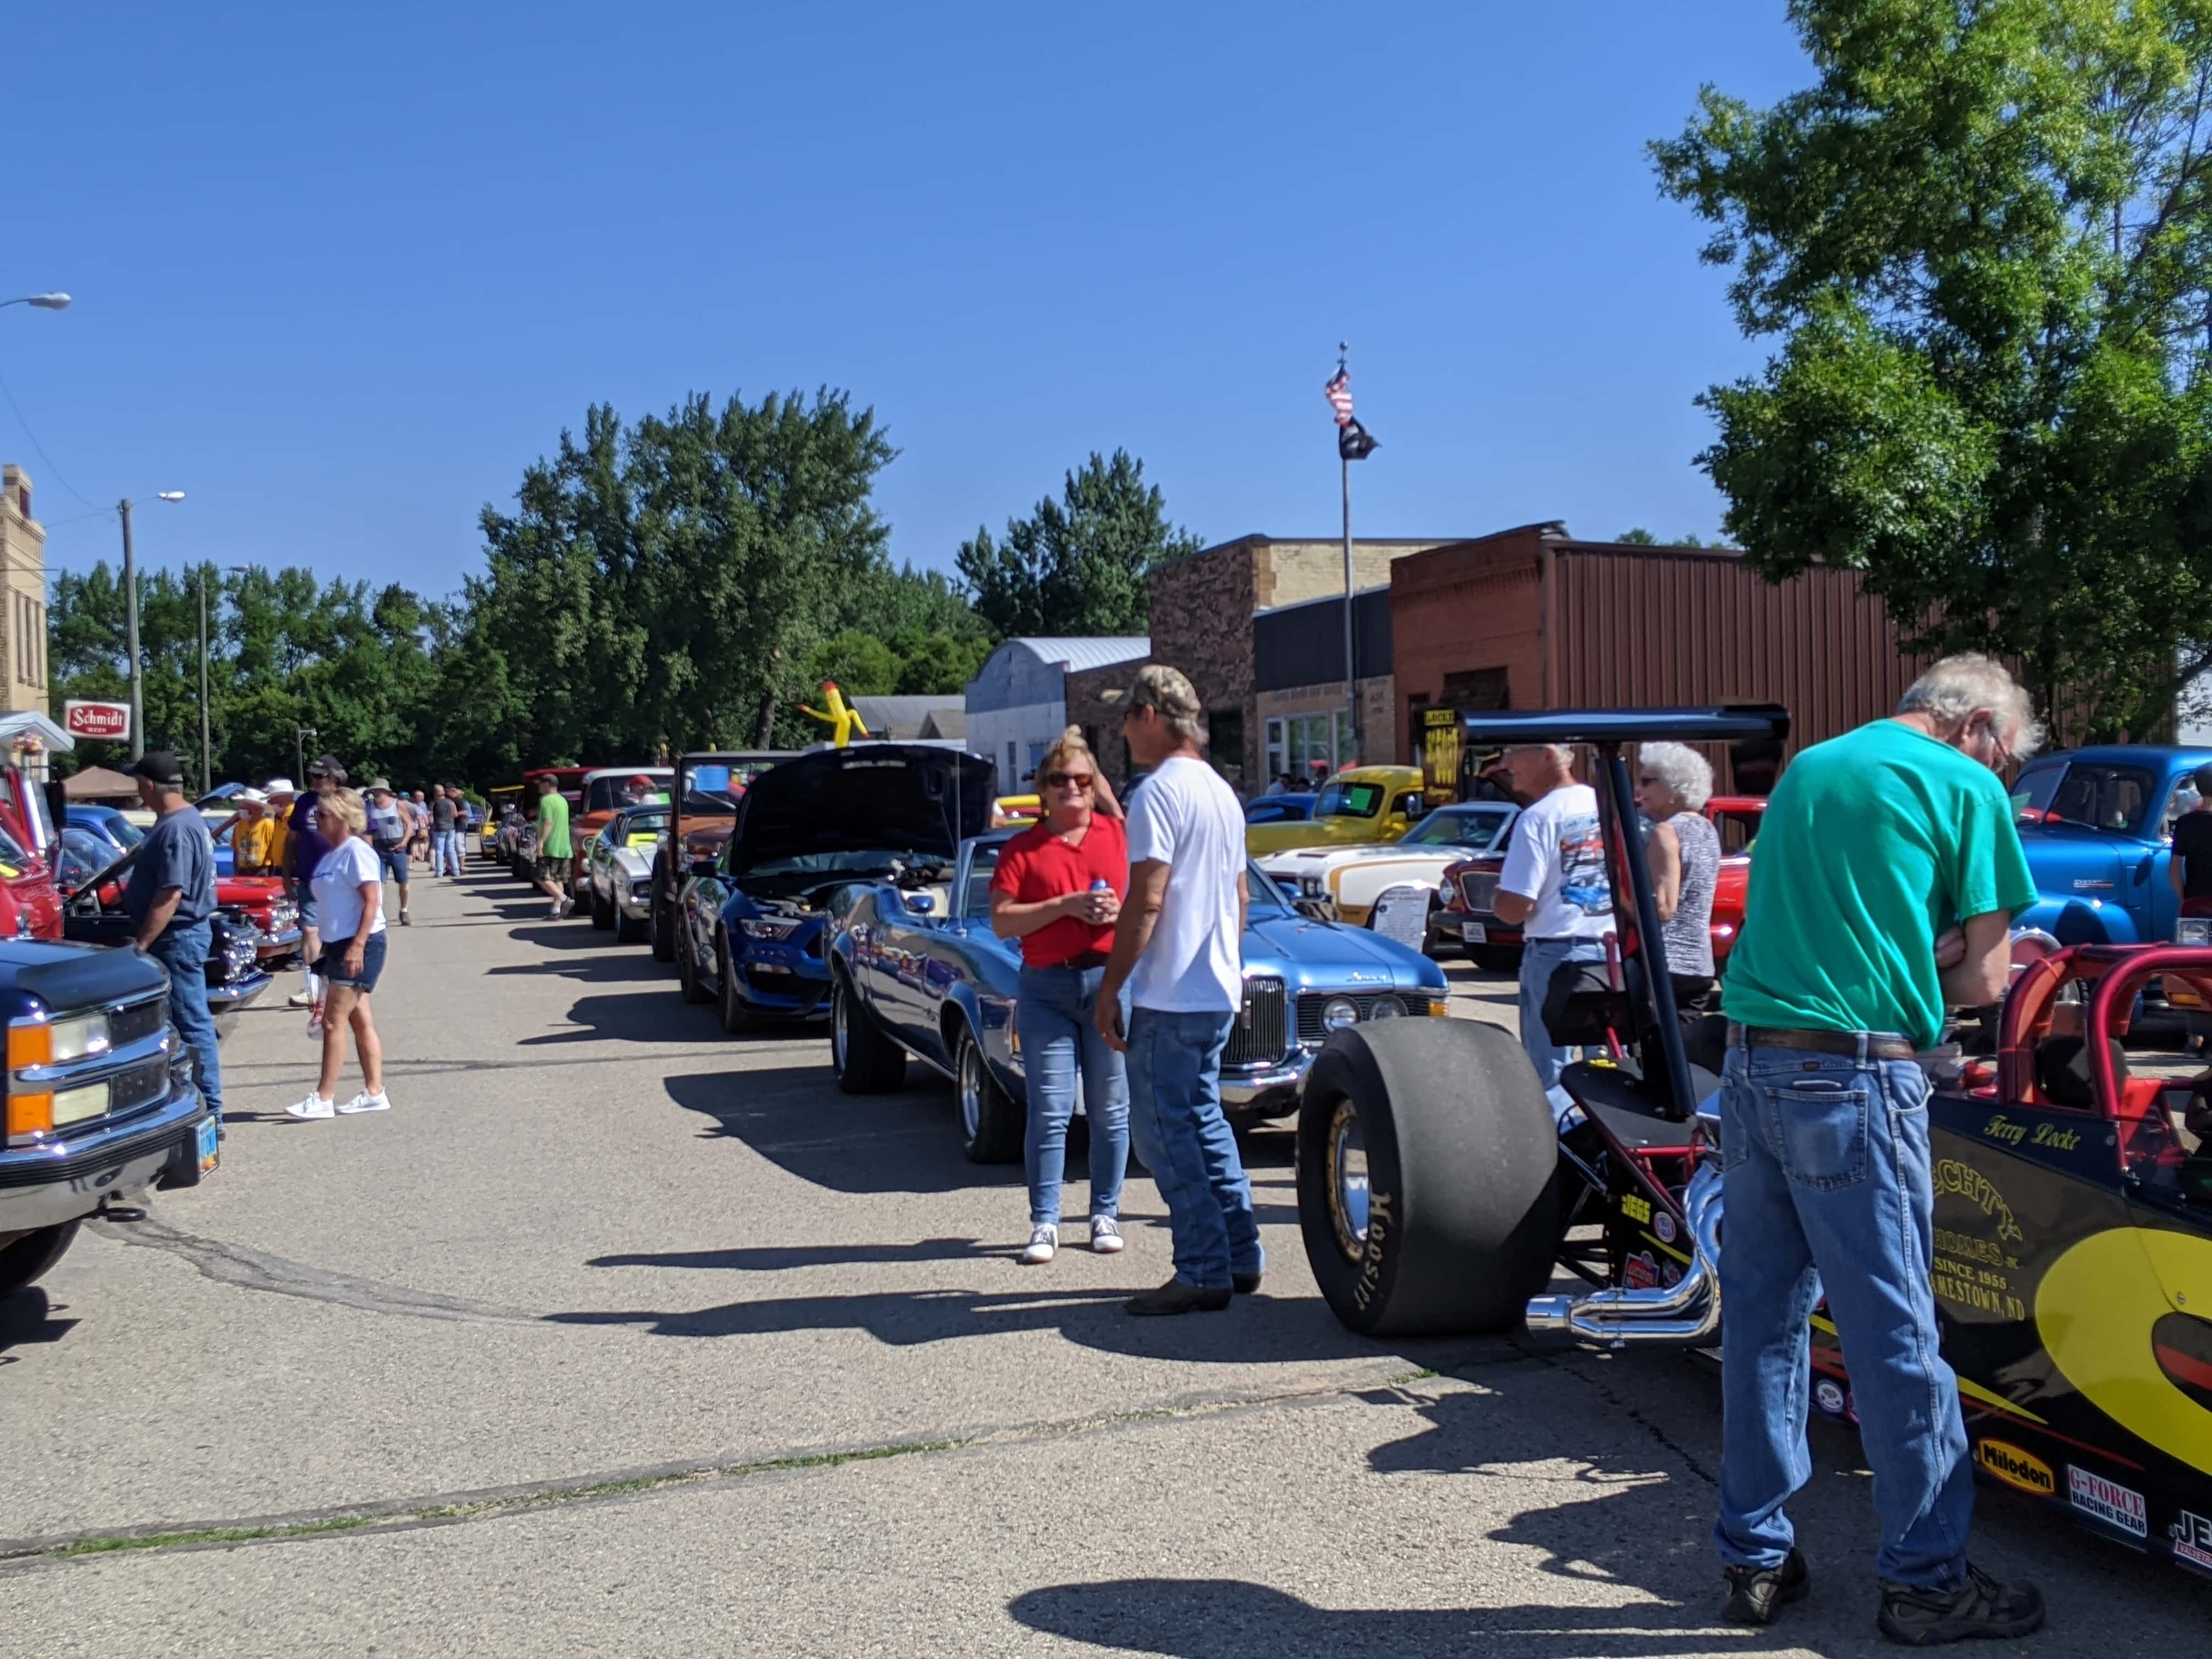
(888, 797)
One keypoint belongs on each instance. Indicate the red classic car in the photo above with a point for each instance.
(1471, 885)
(88, 849)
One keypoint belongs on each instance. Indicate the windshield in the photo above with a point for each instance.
(1452, 827)
(126, 834)
(608, 794)
(1350, 800)
(2104, 796)
(1266, 895)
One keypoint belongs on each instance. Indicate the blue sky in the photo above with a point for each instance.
(342, 273)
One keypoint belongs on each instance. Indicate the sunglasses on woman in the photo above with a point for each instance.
(1062, 780)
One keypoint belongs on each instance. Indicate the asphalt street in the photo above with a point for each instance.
(620, 1335)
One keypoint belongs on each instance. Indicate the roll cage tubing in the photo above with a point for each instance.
(1605, 730)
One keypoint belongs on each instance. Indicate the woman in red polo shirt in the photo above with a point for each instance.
(1058, 889)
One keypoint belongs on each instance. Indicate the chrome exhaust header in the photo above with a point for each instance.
(1686, 1314)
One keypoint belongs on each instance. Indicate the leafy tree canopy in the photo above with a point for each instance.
(1077, 566)
(1982, 239)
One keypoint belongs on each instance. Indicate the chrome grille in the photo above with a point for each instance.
(1262, 1032)
(1479, 889)
(1310, 1003)
(138, 1022)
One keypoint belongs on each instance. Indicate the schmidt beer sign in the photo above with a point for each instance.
(83, 718)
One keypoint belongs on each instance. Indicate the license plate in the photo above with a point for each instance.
(1474, 933)
(207, 1145)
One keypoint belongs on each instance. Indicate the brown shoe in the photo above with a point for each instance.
(1176, 1297)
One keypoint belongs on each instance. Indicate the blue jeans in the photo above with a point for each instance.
(1175, 1122)
(445, 853)
(1539, 958)
(1825, 1168)
(1053, 1015)
(184, 952)
(394, 862)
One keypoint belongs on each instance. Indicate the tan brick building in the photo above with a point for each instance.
(23, 608)
(1202, 622)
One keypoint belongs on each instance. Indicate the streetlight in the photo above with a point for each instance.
(131, 618)
(43, 302)
(299, 736)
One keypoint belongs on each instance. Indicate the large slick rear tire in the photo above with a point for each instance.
(1456, 1224)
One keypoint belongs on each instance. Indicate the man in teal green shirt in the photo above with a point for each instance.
(1883, 886)
(555, 850)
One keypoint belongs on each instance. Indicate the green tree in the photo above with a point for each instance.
(1982, 239)
(1076, 566)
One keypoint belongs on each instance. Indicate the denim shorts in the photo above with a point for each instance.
(371, 965)
(308, 908)
(394, 861)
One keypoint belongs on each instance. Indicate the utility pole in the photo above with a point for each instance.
(299, 736)
(207, 772)
(130, 635)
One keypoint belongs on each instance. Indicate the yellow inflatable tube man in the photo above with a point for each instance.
(843, 722)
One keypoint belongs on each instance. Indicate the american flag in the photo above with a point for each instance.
(1339, 393)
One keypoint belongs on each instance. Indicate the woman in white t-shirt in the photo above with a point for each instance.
(349, 887)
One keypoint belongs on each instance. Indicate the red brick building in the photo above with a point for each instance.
(1532, 618)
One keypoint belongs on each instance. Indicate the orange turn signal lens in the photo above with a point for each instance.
(30, 1045)
(29, 1116)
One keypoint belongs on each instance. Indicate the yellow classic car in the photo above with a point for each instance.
(1359, 803)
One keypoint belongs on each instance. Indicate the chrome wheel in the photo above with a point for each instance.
(971, 1088)
(1347, 1182)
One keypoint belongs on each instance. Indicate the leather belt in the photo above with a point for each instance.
(1880, 1045)
(1082, 961)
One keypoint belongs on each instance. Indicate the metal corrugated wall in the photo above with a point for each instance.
(1654, 627)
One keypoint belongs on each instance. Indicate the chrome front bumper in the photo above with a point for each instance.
(45, 1186)
(1259, 1085)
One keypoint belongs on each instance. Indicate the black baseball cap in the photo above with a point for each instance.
(156, 765)
(327, 766)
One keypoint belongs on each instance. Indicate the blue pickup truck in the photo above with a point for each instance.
(97, 1092)
(2097, 824)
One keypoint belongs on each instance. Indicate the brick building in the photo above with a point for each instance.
(1532, 618)
(1202, 610)
(22, 597)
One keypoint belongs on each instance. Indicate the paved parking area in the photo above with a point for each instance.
(619, 1335)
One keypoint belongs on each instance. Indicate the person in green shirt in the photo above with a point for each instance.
(555, 850)
(1887, 875)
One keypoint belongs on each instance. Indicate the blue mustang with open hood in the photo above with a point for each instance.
(750, 920)
(915, 969)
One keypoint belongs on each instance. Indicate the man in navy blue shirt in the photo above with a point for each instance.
(172, 898)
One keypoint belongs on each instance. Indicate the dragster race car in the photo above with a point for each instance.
(2072, 1264)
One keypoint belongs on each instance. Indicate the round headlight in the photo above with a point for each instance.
(1385, 1008)
(1338, 1012)
(1310, 887)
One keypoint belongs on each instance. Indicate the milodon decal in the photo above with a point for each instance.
(2104, 1316)
(2015, 1467)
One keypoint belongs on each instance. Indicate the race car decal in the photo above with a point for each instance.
(1977, 1189)
(1640, 1271)
(2107, 1500)
(2097, 1311)
(2015, 1467)
(2191, 1534)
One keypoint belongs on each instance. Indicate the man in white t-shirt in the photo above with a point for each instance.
(1555, 887)
(1178, 947)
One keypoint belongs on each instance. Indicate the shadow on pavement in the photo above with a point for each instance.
(794, 1116)
(27, 1317)
(777, 1258)
(1253, 1330)
(615, 1017)
(591, 969)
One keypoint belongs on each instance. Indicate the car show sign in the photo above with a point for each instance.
(83, 718)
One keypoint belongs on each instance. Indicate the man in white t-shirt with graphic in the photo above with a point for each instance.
(1555, 887)
(1178, 948)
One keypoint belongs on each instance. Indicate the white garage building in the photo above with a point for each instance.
(1018, 702)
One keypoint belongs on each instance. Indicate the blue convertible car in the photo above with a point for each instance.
(915, 969)
(750, 921)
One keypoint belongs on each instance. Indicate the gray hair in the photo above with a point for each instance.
(1681, 769)
(1954, 688)
(1562, 752)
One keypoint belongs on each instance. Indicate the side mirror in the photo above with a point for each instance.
(921, 904)
(703, 868)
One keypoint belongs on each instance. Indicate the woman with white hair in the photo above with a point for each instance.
(1673, 783)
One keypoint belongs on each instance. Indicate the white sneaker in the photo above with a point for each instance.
(1105, 1235)
(1043, 1245)
(302, 998)
(365, 1101)
(313, 1106)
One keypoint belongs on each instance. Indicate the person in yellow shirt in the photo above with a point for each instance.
(279, 799)
(251, 842)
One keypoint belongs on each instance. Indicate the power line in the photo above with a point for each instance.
(40, 447)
